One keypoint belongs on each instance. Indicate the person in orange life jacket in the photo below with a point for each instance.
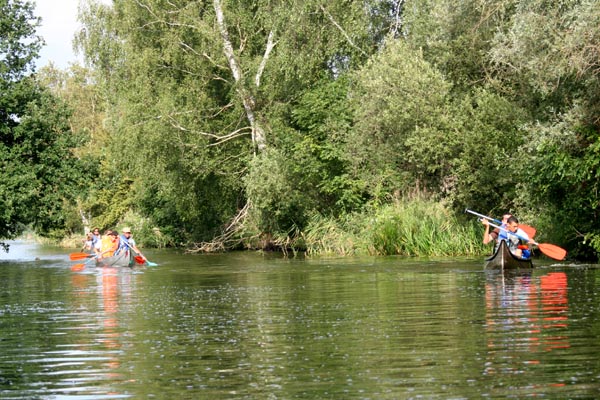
(110, 244)
(518, 245)
(128, 240)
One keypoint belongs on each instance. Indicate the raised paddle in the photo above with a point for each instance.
(551, 250)
(80, 256)
(529, 230)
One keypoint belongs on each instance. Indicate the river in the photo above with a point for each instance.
(256, 326)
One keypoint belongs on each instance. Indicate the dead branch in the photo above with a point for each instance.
(228, 239)
(219, 138)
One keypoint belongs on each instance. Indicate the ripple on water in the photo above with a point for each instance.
(297, 331)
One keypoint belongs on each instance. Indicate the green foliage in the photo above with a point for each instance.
(277, 204)
(40, 176)
(456, 37)
(491, 105)
(144, 232)
(321, 118)
(19, 45)
(422, 228)
(174, 105)
(77, 88)
(593, 241)
(401, 138)
(417, 227)
(110, 204)
(564, 174)
(546, 43)
(488, 168)
(551, 49)
(166, 108)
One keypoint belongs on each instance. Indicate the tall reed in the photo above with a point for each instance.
(415, 227)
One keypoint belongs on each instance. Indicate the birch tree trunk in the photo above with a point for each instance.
(258, 134)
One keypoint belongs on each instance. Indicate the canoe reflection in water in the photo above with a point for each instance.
(526, 317)
(115, 287)
(100, 343)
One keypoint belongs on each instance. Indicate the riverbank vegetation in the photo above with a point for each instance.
(413, 228)
(332, 126)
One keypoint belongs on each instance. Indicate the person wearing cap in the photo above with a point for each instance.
(130, 242)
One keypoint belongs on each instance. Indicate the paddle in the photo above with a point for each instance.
(141, 260)
(79, 267)
(551, 250)
(80, 256)
(529, 230)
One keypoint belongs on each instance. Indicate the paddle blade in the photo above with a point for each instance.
(139, 259)
(151, 264)
(552, 251)
(79, 256)
(529, 230)
(77, 267)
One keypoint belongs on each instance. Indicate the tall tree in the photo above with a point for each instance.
(38, 173)
(198, 89)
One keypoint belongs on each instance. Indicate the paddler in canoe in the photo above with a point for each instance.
(516, 239)
(515, 235)
(109, 244)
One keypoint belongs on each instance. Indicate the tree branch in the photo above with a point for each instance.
(342, 30)
(397, 26)
(263, 63)
(219, 138)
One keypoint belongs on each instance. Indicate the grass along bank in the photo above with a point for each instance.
(415, 227)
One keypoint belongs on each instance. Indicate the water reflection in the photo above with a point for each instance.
(109, 336)
(100, 331)
(526, 317)
(242, 327)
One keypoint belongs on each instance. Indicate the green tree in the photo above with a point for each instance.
(403, 137)
(456, 36)
(196, 90)
(549, 57)
(38, 174)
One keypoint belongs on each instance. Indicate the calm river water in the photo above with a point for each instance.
(252, 326)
